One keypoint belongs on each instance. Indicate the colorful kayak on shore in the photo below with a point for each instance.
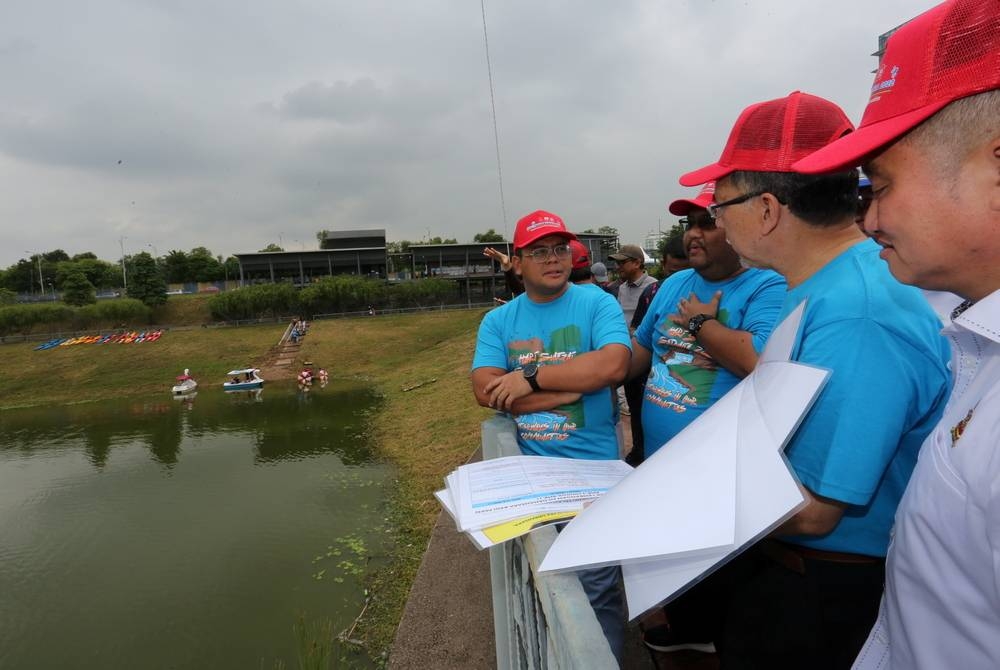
(129, 337)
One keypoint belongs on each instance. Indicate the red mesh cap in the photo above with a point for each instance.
(948, 52)
(537, 225)
(770, 136)
(683, 206)
(581, 256)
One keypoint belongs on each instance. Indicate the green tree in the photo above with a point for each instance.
(489, 236)
(175, 267)
(7, 297)
(203, 266)
(230, 268)
(100, 274)
(55, 256)
(22, 277)
(77, 289)
(271, 247)
(400, 247)
(145, 282)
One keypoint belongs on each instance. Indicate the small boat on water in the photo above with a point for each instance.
(242, 380)
(185, 384)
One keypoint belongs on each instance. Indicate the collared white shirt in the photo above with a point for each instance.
(941, 607)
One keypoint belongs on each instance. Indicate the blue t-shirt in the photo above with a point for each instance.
(684, 379)
(584, 318)
(888, 383)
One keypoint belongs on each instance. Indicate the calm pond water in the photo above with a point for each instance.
(161, 533)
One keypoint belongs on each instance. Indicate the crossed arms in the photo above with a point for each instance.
(561, 384)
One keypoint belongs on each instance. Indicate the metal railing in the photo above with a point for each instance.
(540, 620)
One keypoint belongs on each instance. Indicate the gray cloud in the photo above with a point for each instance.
(241, 124)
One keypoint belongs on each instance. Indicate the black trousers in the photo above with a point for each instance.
(634, 391)
(761, 614)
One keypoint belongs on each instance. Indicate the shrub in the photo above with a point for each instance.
(113, 313)
(342, 294)
(77, 289)
(253, 302)
(23, 318)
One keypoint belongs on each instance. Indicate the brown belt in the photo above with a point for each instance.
(793, 556)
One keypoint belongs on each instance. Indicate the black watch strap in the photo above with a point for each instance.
(530, 372)
(697, 321)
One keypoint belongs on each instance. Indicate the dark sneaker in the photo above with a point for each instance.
(659, 638)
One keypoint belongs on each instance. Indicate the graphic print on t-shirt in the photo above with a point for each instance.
(558, 423)
(683, 376)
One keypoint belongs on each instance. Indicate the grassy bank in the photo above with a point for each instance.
(426, 431)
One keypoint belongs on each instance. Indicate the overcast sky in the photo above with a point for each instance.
(159, 125)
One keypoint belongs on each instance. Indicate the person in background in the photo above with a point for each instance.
(634, 279)
(550, 358)
(514, 284)
(674, 257)
(580, 272)
(600, 272)
(929, 141)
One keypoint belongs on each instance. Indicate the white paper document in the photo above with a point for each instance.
(711, 491)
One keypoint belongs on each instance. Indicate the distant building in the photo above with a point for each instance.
(346, 252)
(364, 253)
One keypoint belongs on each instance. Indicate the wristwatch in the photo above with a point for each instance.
(530, 372)
(697, 321)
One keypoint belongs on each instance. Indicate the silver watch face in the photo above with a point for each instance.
(529, 369)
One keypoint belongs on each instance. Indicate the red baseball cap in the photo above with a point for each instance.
(537, 225)
(771, 136)
(948, 52)
(581, 255)
(683, 206)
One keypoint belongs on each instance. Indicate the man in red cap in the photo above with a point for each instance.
(580, 272)
(700, 337)
(806, 596)
(550, 358)
(930, 142)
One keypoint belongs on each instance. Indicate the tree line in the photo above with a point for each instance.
(83, 274)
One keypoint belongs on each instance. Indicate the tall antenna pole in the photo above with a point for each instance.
(493, 107)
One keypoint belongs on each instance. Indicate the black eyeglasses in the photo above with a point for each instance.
(541, 254)
(713, 209)
(703, 223)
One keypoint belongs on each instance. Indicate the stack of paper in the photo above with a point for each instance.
(713, 490)
(496, 500)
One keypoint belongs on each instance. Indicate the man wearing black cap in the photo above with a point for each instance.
(632, 270)
(633, 281)
(930, 142)
(550, 358)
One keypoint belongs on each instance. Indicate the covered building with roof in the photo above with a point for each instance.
(364, 253)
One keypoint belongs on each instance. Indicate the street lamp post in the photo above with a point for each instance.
(121, 245)
(31, 278)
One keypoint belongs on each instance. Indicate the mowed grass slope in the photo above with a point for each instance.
(426, 431)
(85, 372)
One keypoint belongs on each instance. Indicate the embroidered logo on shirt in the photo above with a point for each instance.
(959, 428)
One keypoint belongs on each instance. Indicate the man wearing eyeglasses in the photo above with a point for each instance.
(635, 279)
(550, 357)
(701, 334)
(930, 142)
(807, 596)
